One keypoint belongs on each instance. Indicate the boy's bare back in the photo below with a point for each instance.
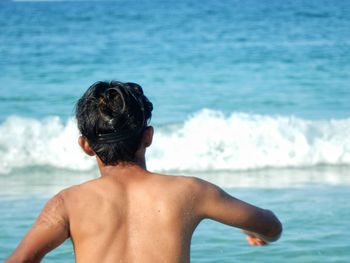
(130, 214)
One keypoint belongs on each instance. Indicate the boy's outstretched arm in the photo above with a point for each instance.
(261, 225)
(49, 231)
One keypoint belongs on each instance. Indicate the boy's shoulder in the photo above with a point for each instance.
(76, 190)
(184, 180)
(184, 184)
(172, 185)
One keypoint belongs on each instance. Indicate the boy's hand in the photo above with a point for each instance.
(255, 241)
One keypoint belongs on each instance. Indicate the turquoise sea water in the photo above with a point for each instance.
(251, 95)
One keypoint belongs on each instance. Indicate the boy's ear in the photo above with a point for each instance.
(85, 146)
(148, 136)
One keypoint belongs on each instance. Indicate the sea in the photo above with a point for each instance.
(251, 95)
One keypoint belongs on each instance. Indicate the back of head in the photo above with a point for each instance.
(112, 117)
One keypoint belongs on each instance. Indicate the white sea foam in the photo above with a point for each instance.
(49, 142)
(207, 141)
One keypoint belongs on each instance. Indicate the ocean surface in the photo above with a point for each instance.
(251, 95)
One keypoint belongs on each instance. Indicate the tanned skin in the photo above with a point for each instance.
(132, 215)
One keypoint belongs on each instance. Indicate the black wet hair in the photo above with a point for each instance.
(112, 116)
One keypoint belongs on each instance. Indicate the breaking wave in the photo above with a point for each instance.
(207, 141)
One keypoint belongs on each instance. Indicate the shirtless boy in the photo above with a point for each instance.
(130, 214)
